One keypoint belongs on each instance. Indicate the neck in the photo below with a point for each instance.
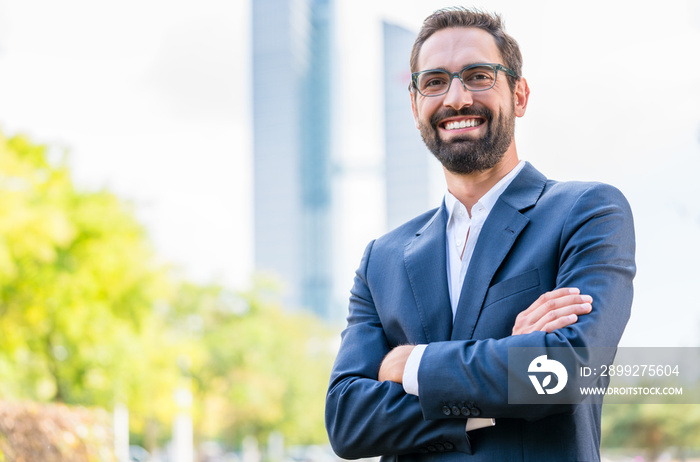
(468, 188)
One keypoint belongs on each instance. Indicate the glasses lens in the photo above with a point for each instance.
(479, 78)
(433, 83)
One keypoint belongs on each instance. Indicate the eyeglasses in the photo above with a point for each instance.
(475, 77)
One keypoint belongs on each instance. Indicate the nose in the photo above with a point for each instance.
(457, 96)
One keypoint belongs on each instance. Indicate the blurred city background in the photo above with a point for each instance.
(186, 189)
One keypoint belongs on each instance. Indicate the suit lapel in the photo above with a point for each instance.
(426, 265)
(500, 231)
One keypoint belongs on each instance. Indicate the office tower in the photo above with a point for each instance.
(291, 144)
(412, 174)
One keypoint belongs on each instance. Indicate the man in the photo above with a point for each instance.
(510, 259)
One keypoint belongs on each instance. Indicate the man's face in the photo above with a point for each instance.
(467, 131)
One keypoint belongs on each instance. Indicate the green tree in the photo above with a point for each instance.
(255, 367)
(652, 428)
(89, 316)
(78, 281)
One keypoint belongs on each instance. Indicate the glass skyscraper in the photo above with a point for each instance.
(412, 174)
(291, 143)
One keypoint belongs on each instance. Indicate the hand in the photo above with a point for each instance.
(394, 363)
(553, 310)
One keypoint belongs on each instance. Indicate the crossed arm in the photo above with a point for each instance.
(368, 417)
(552, 310)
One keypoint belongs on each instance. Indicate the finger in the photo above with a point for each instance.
(560, 323)
(558, 317)
(549, 296)
(557, 303)
(538, 314)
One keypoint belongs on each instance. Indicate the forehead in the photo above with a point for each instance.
(456, 47)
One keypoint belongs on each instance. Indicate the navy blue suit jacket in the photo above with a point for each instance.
(540, 235)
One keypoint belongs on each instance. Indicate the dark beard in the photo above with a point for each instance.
(465, 155)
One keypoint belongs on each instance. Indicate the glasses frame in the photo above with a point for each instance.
(496, 67)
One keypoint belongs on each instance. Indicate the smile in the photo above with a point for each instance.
(464, 123)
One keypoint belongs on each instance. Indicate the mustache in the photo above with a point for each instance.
(477, 111)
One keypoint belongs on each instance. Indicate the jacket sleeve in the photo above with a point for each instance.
(365, 417)
(596, 254)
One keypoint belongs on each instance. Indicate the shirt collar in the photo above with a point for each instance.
(489, 199)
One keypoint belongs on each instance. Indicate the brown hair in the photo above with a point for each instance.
(463, 17)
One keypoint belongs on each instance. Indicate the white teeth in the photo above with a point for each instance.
(462, 124)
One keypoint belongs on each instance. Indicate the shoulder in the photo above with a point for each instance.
(569, 203)
(394, 242)
(532, 193)
(578, 188)
(581, 194)
(407, 231)
(389, 248)
(587, 209)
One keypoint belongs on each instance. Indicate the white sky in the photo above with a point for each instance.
(151, 99)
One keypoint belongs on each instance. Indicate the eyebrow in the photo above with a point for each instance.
(459, 69)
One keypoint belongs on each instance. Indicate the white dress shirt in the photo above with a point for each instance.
(462, 234)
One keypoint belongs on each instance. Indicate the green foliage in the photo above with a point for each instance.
(76, 280)
(255, 369)
(651, 427)
(88, 317)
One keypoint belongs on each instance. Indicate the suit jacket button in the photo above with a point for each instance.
(455, 410)
(446, 410)
(465, 411)
(432, 448)
(476, 412)
(448, 446)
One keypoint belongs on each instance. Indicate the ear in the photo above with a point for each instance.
(414, 96)
(521, 95)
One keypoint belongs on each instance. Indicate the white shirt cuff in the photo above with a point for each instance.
(410, 372)
(474, 423)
